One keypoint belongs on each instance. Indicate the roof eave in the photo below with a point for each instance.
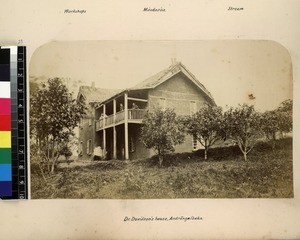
(110, 98)
(81, 94)
(196, 82)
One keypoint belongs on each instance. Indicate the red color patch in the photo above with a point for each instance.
(5, 108)
(5, 123)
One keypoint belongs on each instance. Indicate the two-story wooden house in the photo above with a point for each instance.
(118, 117)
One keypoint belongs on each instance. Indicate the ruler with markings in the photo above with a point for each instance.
(13, 123)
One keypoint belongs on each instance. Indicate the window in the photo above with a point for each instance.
(80, 148)
(163, 103)
(89, 147)
(196, 144)
(193, 107)
(90, 121)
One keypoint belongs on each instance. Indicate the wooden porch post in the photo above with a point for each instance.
(126, 126)
(115, 131)
(104, 132)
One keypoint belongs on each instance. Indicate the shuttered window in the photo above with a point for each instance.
(80, 148)
(89, 147)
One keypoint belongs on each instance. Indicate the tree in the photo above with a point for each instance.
(242, 125)
(270, 124)
(278, 120)
(162, 131)
(66, 152)
(53, 116)
(270, 121)
(285, 116)
(205, 125)
(286, 106)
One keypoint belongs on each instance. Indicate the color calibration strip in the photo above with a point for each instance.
(13, 144)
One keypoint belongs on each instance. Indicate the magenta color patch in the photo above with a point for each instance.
(5, 108)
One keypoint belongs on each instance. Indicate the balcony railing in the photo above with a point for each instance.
(109, 120)
(133, 114)
(120, 116)
(136, 114)
(99, 124)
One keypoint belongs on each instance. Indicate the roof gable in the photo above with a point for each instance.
(162, 76)
(92, 94)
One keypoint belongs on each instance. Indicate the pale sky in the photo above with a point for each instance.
(229, 69)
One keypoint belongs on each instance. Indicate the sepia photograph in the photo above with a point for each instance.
(161, 120)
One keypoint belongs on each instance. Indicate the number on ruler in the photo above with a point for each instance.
(20, 41)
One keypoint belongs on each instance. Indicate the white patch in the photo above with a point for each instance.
(5, 90)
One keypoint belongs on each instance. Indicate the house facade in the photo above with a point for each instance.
(118, 118)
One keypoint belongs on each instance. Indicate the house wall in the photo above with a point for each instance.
(179, 93)
(87, 132)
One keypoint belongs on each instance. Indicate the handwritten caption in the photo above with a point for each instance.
(153, 9)
(81, 11)
(163, 219)
(235, 9)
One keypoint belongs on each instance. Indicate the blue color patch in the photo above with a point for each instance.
(5, 172)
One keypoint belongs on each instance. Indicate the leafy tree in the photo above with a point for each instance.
(53, 116)
(206, 126)
(66, 152)
(286, 106)
(243, 126)
(285, 116)
(270, 121)
(270, 124)
(278, 120)
(162, 131)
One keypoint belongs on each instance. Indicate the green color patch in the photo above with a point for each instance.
(5, 155)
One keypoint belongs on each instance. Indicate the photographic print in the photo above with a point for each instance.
(161, 120)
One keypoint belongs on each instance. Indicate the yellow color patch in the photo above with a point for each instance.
(5, 139)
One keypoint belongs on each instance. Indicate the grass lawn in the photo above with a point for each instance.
(225, 174)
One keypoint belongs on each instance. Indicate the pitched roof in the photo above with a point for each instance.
(153, 82)
(165, 74)
(92, 94)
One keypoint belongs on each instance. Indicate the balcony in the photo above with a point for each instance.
(99, 124)
(134, 116)
(120, 116)
(109, 120)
